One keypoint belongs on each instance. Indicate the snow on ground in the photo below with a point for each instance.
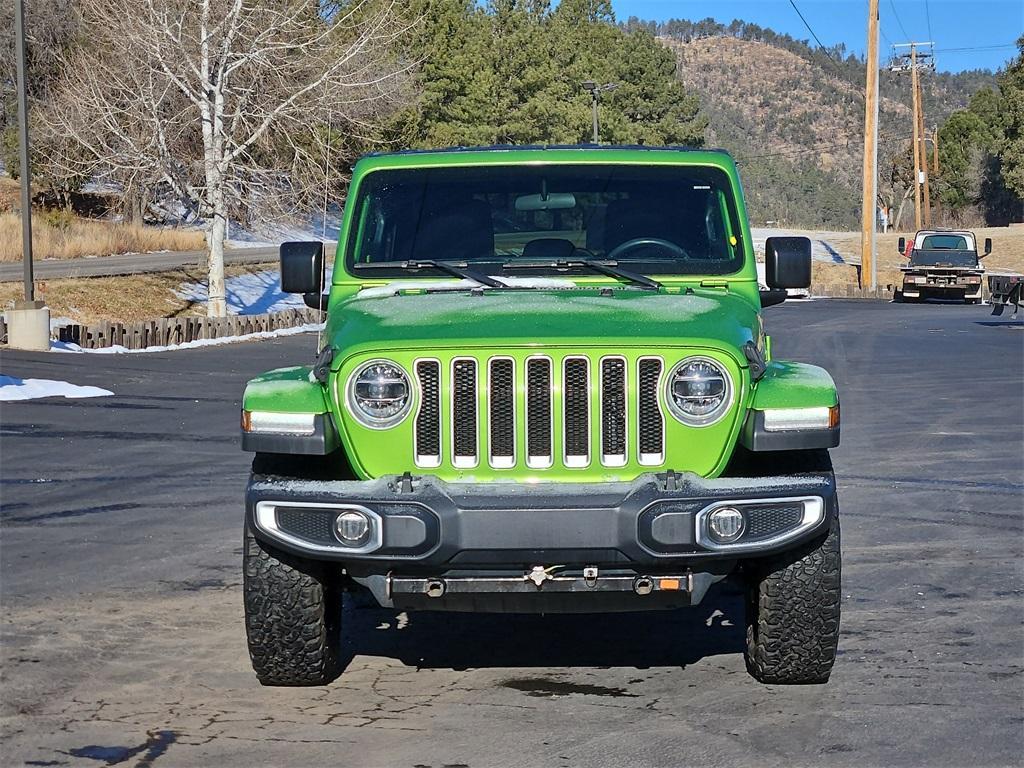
(266, 232)
(821, 249)
(392, 289)
(31, 389)
(252, 294)
(61, 346)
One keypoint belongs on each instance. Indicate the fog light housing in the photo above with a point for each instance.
(352, 527)
(726, 525)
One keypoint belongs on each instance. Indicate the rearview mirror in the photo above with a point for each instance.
(787, 262)
(901, 245)
(988, 246)
(302, 267)
(554, 201)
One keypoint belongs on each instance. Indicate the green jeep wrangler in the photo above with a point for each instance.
(545, 386)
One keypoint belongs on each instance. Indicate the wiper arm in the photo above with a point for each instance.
(610, 268)
(454, 269)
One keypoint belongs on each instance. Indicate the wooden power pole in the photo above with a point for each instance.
(916, 61)
(869, 186)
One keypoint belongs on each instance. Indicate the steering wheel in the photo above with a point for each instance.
(639, 242)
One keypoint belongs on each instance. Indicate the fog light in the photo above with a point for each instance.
(726, 524)
(351, 527)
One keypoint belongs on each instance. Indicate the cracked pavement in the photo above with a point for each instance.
(122, 634)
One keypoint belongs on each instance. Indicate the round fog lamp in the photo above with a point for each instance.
(726, 524)
(351, 527)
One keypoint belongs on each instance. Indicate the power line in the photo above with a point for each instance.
(976, 48)
(816, 38)
(928, 16)
(899, 21)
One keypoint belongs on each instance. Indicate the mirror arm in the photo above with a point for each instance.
(316, 300)
(772, 296)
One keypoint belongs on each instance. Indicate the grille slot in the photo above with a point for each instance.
(650, 422)
(539, 427)
(576, 403)
(501, 400)
(613, 411)
(428, 420)
(771, 520)
(464, 413)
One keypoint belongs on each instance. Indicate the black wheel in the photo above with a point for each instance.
(793, 608)
(292, 616)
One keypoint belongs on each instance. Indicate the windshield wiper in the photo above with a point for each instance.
(610, 268)
(455, 269)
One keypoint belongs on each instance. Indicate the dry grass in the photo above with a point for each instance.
(65, 236)
(124, 299)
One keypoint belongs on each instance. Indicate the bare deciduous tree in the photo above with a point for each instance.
(225, 102)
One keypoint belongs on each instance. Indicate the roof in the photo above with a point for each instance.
(509, 147)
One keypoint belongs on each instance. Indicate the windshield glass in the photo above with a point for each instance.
(649, 219)
(944, 243)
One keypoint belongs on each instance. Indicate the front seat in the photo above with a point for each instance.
(460, 231)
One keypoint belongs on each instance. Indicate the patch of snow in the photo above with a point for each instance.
(60, 322)
(267, 232)
(251, 294)
(392, 289)
(12, 388)
(60, 346)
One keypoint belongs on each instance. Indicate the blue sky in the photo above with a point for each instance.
(955, 24)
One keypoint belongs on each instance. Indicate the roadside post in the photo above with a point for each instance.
(28, 323)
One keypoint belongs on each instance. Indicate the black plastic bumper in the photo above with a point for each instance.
(426, 525)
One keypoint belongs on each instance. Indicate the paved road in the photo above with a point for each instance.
(130, 263)
(122, 623)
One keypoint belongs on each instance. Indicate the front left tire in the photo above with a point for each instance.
(292, 616)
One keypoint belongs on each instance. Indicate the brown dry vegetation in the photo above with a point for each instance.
(66, 236)
(123, 299)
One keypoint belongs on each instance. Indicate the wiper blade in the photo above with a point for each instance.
(610, 268)
(455, 269)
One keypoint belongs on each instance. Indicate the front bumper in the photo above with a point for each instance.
(426, 526)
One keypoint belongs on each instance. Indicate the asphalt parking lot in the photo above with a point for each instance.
(123, 644)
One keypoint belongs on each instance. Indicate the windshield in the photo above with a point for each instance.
(944, 243)
(654, 220)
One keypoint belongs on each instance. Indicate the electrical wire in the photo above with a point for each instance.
(899, 21)
(928, 16)
(816, 38)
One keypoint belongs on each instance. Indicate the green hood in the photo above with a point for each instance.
(532, 318)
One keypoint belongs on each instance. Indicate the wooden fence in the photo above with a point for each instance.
(180, 330)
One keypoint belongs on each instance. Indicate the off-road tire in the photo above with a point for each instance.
(793, 612)
(292, 617)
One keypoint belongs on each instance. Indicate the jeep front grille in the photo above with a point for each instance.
(494, 403)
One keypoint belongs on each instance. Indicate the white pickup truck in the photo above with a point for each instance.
(943, 263)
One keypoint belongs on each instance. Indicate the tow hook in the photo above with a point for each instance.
(539, 574)
(590, 576)
(643, 585)
(435, 588)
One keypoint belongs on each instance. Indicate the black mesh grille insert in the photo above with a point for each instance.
(464, 408)
(651, 429)
(311, 525)
(502, 408)
(613, 407)
(428, 420)
(577, 399)
(538, 407)
(771, 520)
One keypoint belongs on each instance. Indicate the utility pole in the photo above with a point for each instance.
(28, 322)
(869, 186)
(916, 61)
(924, 156)
(595, 93)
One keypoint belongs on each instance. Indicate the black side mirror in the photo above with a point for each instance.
(901, 245)
(302, 268)
(787, 262)
(988, 246)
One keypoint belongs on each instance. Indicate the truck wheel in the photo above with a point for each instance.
(793, 613)
(292, 617)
